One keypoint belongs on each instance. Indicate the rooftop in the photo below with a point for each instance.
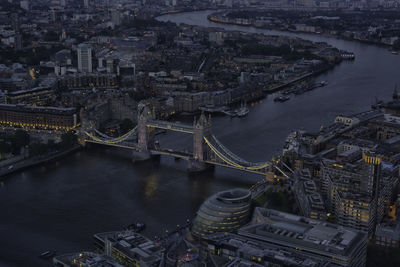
(133, 245)
(234, 195)
(36, 109)
(29, 91)
(267, 253)
(390, 230)
(86, 259)
(301, 232)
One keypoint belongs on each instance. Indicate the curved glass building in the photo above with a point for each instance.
(223, 212)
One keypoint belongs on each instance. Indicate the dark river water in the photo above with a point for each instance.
(61, 205)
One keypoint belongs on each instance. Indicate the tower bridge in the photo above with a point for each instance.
(207, 149)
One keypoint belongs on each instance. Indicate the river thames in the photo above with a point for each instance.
(61, 205)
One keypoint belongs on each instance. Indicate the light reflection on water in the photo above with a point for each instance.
(151, 186)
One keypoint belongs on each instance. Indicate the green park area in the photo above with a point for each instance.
(274, 200)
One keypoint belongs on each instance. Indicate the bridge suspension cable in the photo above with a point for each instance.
(102, 134)
(109, 140)
(221, 156)
(236, 161)
(228, 152)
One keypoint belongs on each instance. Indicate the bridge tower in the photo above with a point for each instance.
(87, 126)
(145, 134)
(201, 152)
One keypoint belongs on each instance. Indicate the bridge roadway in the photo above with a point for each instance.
(187, 156)
(172, 126)
(177, 154)
(127, 145)
(234, 167)
(159, 151)
(172, 153)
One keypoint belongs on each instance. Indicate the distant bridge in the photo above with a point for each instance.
(207, 149)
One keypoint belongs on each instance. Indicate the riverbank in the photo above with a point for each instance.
(299, 79)
(172, 12)
(219, 17)
(265, 65)
(34, 161)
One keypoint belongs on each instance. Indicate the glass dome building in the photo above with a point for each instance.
(223, 212)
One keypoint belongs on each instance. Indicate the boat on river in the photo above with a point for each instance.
(243, 111)
(281, 98)
(232, 113)
(47, 254)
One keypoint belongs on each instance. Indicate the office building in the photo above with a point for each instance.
(358, 194)
(327, 242)
(115, 17)
(309, 200)
(355, 210)
(15, 22)
(388, 234)
(129, 248)
(84, 259)
(18, 41)
(85, 81)
(229, 249)
(48, 118)
(38, 96)
(223, 212)
(84, 58)
(25, 5)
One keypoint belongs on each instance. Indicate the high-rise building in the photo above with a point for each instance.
(112, 65)
(18, 41)
(356, 211)
(116, 17)
(25, 5)
(15, 22)
(53, 14)
(337, 176)
(84, 58)
(309, 200)
(358, 194)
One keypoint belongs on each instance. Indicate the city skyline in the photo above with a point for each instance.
(199, 133)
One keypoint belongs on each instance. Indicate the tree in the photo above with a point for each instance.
(5, 147)
(18, 140)
(68, 140)
(36, 149)
(21, 138)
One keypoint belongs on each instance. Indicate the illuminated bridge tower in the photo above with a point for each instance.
(201, 152)
(87, 126)
(145, 134)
